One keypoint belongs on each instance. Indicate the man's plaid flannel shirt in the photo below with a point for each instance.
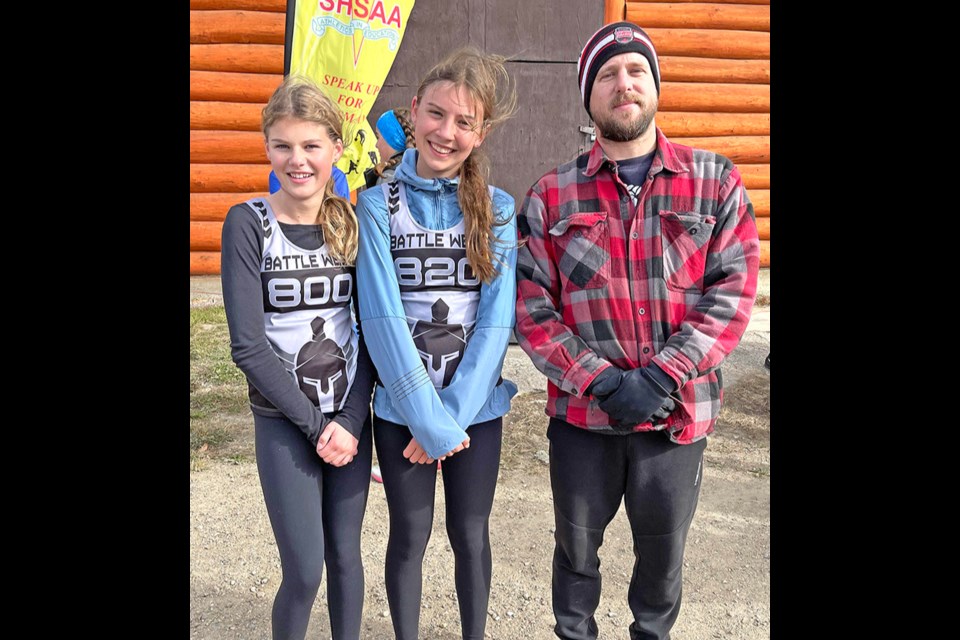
(598, 284)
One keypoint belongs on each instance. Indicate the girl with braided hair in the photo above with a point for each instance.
(394, 136)
(435, 272)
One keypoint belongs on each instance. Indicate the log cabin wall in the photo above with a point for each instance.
(715, 83)
(715, 66)
(236, 62)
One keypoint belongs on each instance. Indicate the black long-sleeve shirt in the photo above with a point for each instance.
(241, 250)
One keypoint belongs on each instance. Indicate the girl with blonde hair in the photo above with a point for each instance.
(287, 268)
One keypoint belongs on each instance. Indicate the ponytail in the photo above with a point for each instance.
(340, 227)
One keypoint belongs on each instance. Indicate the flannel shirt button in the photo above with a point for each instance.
(577, 234)
(634, 235)
(646, 349)
(641, 311)
(693, 232)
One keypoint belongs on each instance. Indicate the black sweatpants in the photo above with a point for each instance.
(469, 482)
(316, 511)
(590, 473)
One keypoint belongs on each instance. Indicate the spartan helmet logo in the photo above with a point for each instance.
(441, 345)
(321, 367)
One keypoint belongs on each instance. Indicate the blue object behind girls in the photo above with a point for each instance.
(340, 185)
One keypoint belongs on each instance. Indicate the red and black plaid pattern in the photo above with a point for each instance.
(671, 279)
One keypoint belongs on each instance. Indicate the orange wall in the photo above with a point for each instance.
(715, 83)
(236, 61)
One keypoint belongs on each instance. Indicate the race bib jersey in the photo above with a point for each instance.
(308, 315)
(438, 288)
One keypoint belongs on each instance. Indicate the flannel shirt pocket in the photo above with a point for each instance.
(581, 245)
(685, 238)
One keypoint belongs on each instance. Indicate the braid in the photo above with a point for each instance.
(403, 117)
(477, 207)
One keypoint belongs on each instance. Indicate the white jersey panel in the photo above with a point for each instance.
(438, 288)
(308, 317)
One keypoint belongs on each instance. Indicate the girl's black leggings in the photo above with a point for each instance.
(469, 482)
(316, 511)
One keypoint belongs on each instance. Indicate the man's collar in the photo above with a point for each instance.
(664, 158)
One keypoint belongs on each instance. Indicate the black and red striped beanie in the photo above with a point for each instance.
(611, 40)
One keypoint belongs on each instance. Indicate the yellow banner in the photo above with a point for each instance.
(348, 47)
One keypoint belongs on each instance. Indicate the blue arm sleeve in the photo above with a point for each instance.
(340, 185)
(388, 337)
(479, 370)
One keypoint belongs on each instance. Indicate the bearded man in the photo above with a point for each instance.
(636, 280)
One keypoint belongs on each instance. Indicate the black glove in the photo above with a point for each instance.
(663, 412)
(642, 394)
(605, 383)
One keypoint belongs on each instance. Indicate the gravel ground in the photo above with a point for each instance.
(235, 569)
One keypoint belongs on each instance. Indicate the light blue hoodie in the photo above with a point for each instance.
(438, 419)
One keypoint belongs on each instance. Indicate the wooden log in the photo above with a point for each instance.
(763, 228)
(209, 207)
(204, 263)
(711, 43)
(698, 123)
(228, 116)
(764, 253)
(205, 236)
(229, 147)
(229, 178)
(614, 11)
(712, 96)
(257, 27)
(239, 5)
(244, 58)
(699, 15)
(747, 149)
(685, 69)
(755, 176)
(760, 198)
(233, 87)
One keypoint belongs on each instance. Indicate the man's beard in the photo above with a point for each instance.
(618, 130)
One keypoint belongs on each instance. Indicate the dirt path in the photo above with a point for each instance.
(235, 569)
